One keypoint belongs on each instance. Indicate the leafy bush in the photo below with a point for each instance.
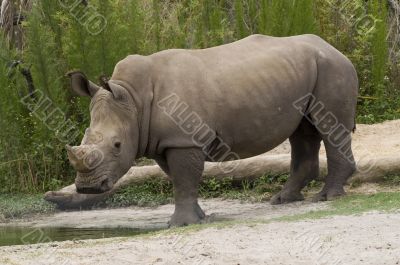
(57, 40)
(151, 193)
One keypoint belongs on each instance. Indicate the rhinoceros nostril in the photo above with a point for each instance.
(106, 185)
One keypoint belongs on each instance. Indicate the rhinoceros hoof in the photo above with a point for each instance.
(329, 194)
(184, 219)
(286, 197)
(184, 216)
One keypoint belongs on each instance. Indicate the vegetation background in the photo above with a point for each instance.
(49, 38)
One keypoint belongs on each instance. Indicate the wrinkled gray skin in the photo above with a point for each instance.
(244, 91)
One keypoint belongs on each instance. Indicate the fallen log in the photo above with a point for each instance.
(249, 168)
(369, 170)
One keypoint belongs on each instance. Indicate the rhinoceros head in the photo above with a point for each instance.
(109, 146)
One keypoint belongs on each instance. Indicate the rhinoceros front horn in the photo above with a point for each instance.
(76, 156)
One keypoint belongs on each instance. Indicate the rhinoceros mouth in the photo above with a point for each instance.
(100, 185)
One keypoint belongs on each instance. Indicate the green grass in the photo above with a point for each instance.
(349, 205)
(156, 192)
(151, 193)
(391, 180)
(141, 195)
(384, 201)
(353, 204)
(23, 205)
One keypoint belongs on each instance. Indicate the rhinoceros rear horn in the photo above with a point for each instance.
(84, 158)
(81, 85)
(76, 156)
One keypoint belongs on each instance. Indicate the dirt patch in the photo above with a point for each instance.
(157, 217)
(382, 139)
(149, 218)
(372, 238)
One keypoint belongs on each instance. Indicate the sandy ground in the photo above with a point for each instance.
(153, 218)
(377, 140)
(157, 217)
(372, 238)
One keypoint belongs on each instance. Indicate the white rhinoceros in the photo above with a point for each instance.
(184, 107)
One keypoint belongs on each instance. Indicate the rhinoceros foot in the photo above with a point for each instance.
(285, 196)
(187, 215)
(329, 194)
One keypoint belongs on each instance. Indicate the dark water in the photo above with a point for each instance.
(25, 235)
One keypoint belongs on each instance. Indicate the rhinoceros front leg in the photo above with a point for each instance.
(185, 167)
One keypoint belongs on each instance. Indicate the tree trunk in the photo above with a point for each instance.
(246, 169)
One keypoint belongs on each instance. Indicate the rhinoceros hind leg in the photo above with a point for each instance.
(305, 144)
(341, 166)
(329, 194)
(185, 169)
(333, 111)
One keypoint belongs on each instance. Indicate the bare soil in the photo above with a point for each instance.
(148, 218)
(371, 238)
(382, 139)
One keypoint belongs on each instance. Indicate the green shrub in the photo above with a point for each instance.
(32, 156)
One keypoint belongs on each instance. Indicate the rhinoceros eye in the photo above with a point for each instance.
(117, 145)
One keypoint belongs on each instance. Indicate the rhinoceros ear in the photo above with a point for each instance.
(118, 91)
(81, 85)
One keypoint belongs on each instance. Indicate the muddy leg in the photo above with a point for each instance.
(304, 167)
(341, 166)
(185, 168)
